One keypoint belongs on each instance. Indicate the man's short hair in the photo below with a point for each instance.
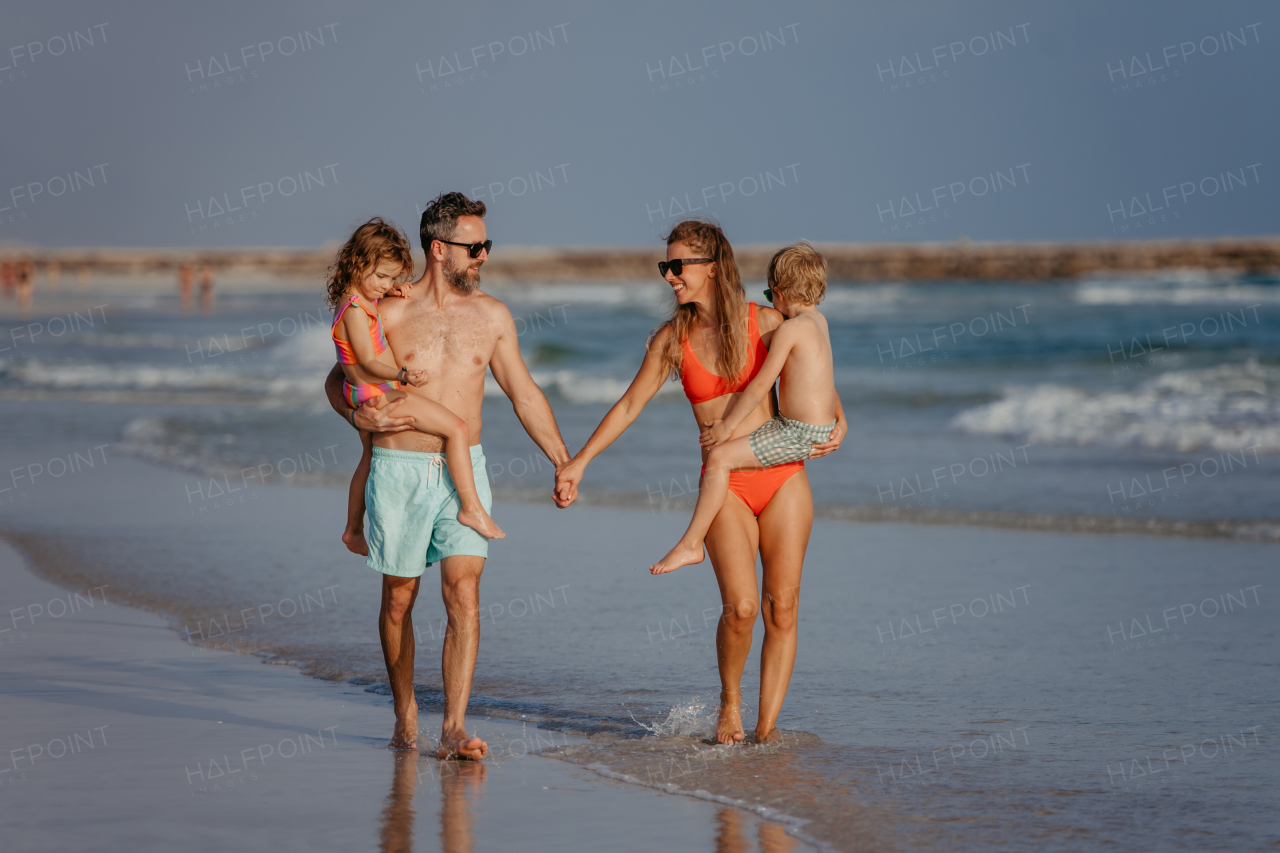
(800, 272)
(440, 219)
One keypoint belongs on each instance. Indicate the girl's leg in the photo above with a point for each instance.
(433, 418)
(731, 456)
(732, 542)
(353, 536)
(785, 525)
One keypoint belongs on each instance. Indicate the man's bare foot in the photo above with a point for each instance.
(479, 521)
(729, 728)
(354, 540)
(456, 744)
(405, 734)
(681, 555)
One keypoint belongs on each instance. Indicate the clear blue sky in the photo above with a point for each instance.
(284, 124)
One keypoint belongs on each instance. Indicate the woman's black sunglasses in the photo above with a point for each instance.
(677, 266)
(473, 249)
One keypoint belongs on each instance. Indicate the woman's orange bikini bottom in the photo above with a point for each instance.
(757, 488)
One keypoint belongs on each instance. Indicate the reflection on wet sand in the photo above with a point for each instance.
(731, 835)
(395, 834)
(459, 780)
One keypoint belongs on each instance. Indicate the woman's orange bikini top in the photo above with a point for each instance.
(701, 385)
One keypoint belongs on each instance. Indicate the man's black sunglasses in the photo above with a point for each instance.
(677, 266)
(473, 249)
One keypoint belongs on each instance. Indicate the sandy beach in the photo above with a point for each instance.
(119, 735)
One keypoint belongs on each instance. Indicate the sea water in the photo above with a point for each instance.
(955, 686)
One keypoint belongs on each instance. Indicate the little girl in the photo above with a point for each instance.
(372, 262)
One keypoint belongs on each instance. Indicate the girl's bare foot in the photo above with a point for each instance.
(681, 555)
(354, 540)
(458, 745)
(729, 727)
(479, 521)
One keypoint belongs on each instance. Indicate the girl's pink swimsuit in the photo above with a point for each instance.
(360, 393)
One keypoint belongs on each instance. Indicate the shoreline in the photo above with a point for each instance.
(147, 710)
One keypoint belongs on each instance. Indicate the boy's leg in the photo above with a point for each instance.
(353, 536)
(735, 455)
(432, 418)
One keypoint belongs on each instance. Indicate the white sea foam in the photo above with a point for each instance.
(581, 388)
(1177, 287)
(1219, 408)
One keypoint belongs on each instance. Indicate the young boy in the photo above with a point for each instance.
(800, 353)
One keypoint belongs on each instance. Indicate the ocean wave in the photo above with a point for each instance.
(1227, 407)
(1180, 287)
(99, 376)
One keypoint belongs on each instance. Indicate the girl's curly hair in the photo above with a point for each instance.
(373, 242)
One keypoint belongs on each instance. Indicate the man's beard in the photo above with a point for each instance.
(459, 278)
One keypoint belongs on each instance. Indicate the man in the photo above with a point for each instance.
(445, 325)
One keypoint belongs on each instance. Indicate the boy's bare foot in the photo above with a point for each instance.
(729, 727)
(457, 745)
(479, 521)
(681, 555)
(354, 540)
(405, 734)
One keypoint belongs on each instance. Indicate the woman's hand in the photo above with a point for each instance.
(832, 444)
(713, 433)
(370, 418)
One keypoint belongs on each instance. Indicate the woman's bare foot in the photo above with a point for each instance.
(681, 555)
(405, 734)
(457, 745)
(729, 727)
(770, 736)
(479, 521)
(354, 540)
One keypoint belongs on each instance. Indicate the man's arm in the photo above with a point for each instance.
(367, 417)
(530, 404)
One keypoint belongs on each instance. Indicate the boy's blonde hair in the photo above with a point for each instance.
(800, 272)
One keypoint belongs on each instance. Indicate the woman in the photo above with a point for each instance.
(714, 333)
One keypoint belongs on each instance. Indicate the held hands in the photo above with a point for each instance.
(417, 378)
(568, 476)
(713, 433)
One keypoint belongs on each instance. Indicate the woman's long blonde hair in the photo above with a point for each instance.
(709, 241)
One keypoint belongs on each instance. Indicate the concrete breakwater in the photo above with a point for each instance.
(847, 262)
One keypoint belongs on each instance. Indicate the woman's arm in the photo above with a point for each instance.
(837, 434)
(648, 381)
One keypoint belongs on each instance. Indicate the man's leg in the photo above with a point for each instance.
(460, 589)
(395, 629)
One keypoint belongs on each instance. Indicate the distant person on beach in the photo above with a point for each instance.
(443, 324)
(373, 261)
(9, 275)
(26, 284)
(717, 342)
(186, 281)
(799, 353)
(206, 289)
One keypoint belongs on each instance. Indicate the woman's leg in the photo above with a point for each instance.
(731, 456)
(432, 418)
(785, 525)
(353, 536)
(732, 542)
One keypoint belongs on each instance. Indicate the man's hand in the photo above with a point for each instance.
(417, 378)
(372, 419)
(832, 444)
(713, 433)
(567, 478)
